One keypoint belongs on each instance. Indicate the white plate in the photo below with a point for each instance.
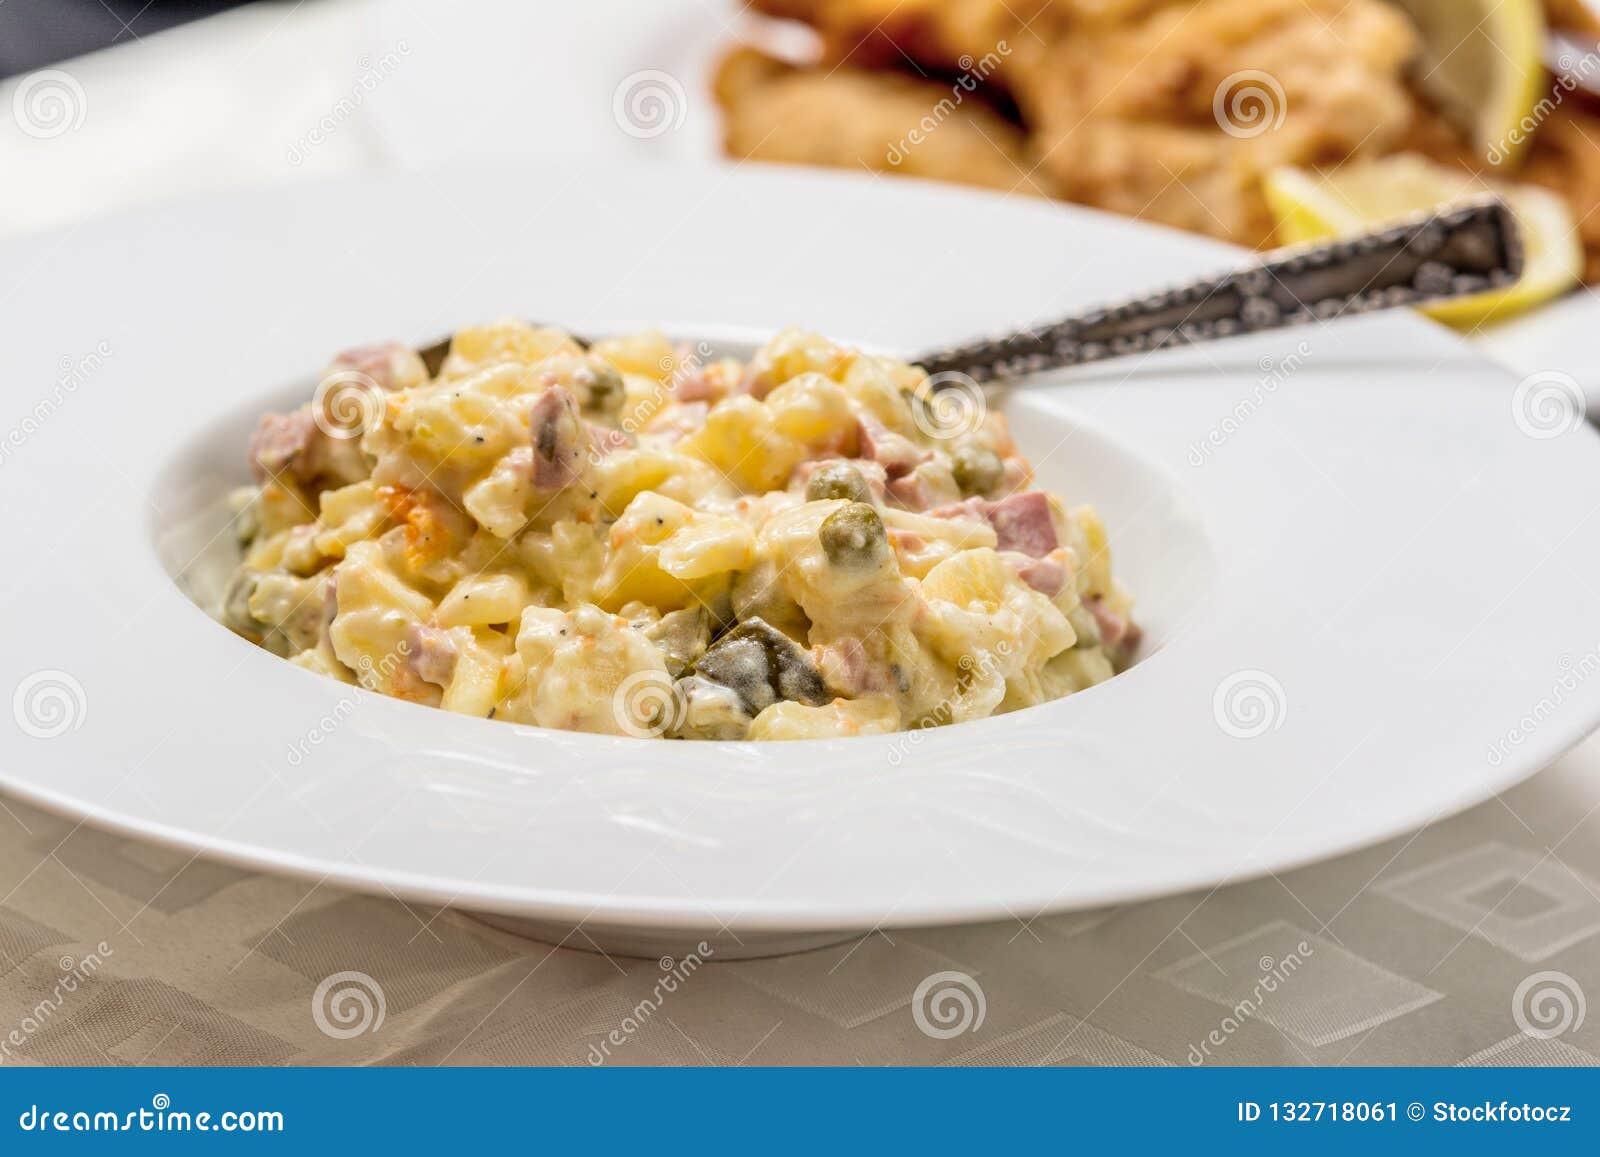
(1378, 568)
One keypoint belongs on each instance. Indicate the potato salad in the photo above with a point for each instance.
(640, 538)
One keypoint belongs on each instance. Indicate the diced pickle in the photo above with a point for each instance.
(762, 665)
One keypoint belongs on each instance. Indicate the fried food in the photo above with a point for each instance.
(1167, 110)
(1572, 15)
(1176, 117)
(1565, 157)
(884, 122)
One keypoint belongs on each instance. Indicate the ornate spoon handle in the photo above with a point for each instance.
(1468, 248)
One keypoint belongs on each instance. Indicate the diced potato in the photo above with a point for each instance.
(873, 715)
(483, 600)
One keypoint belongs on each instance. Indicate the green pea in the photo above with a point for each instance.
(603, 385)
(977, 469)
(853, 537)
(837, 480)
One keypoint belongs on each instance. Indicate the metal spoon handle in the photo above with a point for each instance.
(1468, 248)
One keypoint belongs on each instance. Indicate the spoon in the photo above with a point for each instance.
(1467, 248)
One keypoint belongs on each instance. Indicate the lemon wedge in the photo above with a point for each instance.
(1481, 62)
(1366, 195)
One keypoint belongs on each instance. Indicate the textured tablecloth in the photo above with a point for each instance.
(1472, 942)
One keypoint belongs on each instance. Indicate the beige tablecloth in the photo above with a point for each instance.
(1474, 941)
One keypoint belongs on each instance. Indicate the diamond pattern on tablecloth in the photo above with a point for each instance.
(1298, 982)
(1525, 903)
(1527, 1050)
(1058, 1040)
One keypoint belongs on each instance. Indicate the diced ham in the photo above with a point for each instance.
(1022, 522)
(281, 443)
(431, 654)
(1115, 630)
(390, 364)
(1046, 575)
(559, 436)
(292, 448)
(896, 453)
